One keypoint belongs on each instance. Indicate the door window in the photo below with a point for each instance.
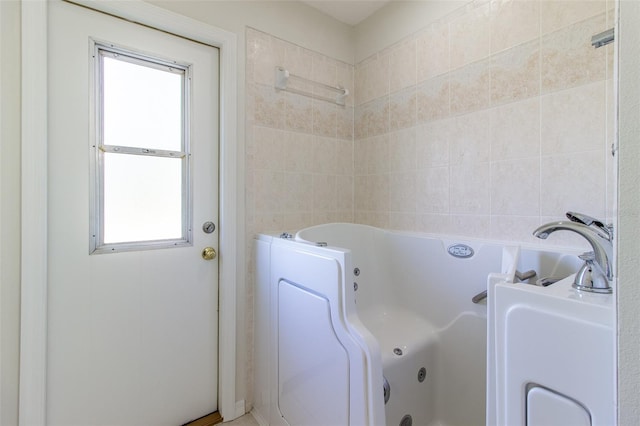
(141, 152)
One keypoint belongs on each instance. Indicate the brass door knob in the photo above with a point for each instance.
(209, 253)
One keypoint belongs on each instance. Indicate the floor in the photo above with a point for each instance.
(246, 420)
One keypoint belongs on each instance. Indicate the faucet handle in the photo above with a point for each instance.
(592, 221)
(583, 219)
(589, 278)
(588, 256)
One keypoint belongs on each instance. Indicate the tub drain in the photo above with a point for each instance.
(422, 374)
(397, 351)
(406, 420)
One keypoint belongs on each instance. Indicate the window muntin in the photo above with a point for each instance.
(141, 167)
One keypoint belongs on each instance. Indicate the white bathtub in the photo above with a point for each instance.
(333, 320)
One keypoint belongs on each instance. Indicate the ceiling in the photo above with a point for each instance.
(350, 12)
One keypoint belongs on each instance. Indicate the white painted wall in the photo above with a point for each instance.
(9, 209)
(289, 20)
(628, 292)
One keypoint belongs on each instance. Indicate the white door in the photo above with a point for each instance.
(132, 328)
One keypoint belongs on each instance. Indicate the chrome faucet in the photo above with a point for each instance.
(597, 272)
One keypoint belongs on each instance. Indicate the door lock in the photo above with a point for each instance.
(209, 253)
(208, 227)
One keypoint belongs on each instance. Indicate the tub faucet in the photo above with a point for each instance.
(590, 221)
(596, 273)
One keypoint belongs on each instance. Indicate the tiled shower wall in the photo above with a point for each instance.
(488, 122)
(299, 148)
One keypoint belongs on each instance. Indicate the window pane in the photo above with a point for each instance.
(142, 198)
(142, 106)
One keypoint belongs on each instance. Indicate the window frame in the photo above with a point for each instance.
(100, 49)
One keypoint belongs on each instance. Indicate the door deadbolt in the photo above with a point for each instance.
(209, 253)
(208, 227)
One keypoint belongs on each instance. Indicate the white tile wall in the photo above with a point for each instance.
(495, 119)
(299, 149)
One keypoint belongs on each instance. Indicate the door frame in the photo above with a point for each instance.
(33, 322)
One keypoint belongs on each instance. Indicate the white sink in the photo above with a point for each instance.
(554, 349)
